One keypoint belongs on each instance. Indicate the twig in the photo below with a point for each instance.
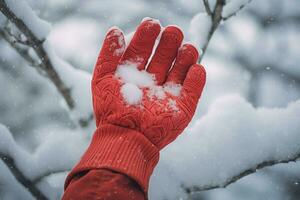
(234, 13)
(244, 173)
(207, 8)
(21, 51)
(216, 18)
(27, 183)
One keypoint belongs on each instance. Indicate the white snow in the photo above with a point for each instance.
(232, 6)
(231, 138)
(173, 105)
(130, 74)
(80, 90)
(10, 188)
(131, 93)
(72, 38)
(2, 20)
(52, 142)
(199, 29)
(135, 80)
(156, 92)
(39, 27)
(172, 88)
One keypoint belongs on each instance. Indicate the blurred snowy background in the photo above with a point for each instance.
(254, 55)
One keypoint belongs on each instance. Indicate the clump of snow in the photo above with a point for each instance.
(233, 6)
(21, 9)
(135, 80)
(199, 29)
(129, 73)
(131, 93)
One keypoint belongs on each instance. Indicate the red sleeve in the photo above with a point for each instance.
(102, 184)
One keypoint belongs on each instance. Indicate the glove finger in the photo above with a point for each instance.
(165, 53)
(193, 86)
(186, 57)
(140, 48)
(112, 49)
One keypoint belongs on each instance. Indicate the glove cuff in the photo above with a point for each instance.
(119, 149)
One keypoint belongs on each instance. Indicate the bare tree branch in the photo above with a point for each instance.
(234, 13)
(27, 183)
(244, 173)
(207, 8)
(216, 17)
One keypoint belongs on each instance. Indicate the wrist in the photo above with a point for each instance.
(120, 149)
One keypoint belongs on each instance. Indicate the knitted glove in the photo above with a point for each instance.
(129, 137)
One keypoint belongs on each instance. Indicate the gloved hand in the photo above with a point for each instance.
(129, 137)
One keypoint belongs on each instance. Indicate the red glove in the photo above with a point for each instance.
(129, 137)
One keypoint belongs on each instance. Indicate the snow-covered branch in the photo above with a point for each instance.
(37, 44)
(29, 169)
(27, 183)
(232, 140)
(233, 7)
(35, 32)
(7, 144)
(244, 173)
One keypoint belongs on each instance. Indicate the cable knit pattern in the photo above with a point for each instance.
(128, 137)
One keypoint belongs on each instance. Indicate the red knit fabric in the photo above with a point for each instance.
(103, 184)
(119, 149)
(129, 137)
